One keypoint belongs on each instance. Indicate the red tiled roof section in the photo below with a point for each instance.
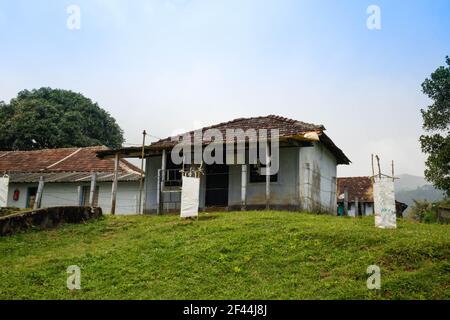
(360, 187)
(60, 160)
(287, 128)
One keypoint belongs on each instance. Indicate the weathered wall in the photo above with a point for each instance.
(306, 180)
(46, 218)
(283, 193)
(153, 164)
(66, 194)
(318, 170)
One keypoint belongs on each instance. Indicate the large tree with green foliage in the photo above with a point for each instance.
(54, 118)
(436, 121)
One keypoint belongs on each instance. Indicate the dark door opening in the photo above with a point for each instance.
(31, 196)
(217, 185)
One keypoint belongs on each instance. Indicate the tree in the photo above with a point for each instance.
(436, 121)
(54, 118)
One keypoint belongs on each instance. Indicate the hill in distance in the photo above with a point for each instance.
(409, 188)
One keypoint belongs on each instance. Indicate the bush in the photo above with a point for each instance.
(426, 212)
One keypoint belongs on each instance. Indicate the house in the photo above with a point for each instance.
(360, 197)
(304, 180)
(67, 177)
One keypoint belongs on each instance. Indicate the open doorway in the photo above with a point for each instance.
(217, 178)
(31, 196)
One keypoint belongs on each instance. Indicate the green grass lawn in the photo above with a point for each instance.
(251, 255)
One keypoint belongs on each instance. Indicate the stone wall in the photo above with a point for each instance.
(46, 218)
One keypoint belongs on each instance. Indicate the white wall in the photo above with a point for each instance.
(66, 194)
(318, 170)
(311, 190)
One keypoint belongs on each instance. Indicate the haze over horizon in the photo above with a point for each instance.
(177, 65)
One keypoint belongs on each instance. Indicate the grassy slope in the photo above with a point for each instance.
(253, 255)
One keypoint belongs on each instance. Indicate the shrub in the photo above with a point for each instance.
(427, 212)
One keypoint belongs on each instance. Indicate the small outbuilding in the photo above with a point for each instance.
(359, 191)
(67, 174)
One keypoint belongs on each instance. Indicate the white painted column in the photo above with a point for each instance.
(93, 187)
(268, 172)
(80, 195)
(244, 187)
(40, 190)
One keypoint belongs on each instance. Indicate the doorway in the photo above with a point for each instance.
(31, 196)
(217, 178)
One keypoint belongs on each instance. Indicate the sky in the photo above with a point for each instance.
(168, 66)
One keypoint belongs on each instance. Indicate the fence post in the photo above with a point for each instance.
(38, 202)
(114, 185)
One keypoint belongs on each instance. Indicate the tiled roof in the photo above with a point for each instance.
(360, 187)
(63, 165)
(288, 128)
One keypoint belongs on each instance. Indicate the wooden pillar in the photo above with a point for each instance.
(93, 187)
(163, 167)
(345, 201)
(141, 178)
(163, 179)
(244, 187)
(268, 172)
(356, 207)
(158, 193)
(40, 190)
(114, 185)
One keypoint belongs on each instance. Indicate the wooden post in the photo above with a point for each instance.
(114, 185)
(163, 167)
(356, 207)
(141, 179)
(93, 187)
(379, 168)
(158, 193)
(244, 187)
(393, 176)
(268, 172)
(345, 201)
(40, 190)
(373, 169)
(80, 195)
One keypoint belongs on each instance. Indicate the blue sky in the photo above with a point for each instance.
(173, 65)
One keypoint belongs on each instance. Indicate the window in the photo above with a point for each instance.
(86, 196)
(172, 178)
(255, 174)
